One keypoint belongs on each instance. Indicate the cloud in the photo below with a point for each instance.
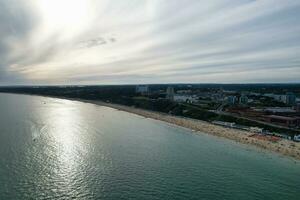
(16, 24)
(133, 41)
(95, 42)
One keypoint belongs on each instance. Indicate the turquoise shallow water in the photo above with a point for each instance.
(60, 149)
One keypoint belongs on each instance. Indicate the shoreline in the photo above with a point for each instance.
(283, 146)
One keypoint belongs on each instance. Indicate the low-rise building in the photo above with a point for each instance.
(226, 124)
(256, 130)
(297, 138)
(283, 120)
(279, 110)
(185, 98)
(142, 89)
(184, 91)
(288, 98)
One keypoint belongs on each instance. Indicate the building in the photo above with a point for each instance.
(290, 99)
(218, 96)
(226, 124)
(283, 120)
(184, 91)
(142, 89)
(185, 98)
(297, 138)
(243, 99)
(277, 97)
(281, 98)
(256, 130)
(231, 100)
(287, 110)
(297, 107)
(170, 93)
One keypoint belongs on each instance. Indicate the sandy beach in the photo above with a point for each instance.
(283, 146)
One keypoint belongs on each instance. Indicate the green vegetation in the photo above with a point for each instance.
(156, 101)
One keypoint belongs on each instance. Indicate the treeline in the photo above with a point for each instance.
(125, 95)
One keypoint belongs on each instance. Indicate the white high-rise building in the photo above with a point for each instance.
(170, 93)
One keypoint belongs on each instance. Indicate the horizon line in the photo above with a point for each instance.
(132, 84)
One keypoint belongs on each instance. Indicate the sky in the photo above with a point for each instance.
(50, 42)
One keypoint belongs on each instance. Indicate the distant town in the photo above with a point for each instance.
(266, 109)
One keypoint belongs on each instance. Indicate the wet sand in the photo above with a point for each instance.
(283, 146)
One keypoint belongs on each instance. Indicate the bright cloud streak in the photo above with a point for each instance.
(149, 41)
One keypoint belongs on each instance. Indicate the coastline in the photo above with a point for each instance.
(283, 146)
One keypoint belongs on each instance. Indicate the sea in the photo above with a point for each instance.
(61, 149)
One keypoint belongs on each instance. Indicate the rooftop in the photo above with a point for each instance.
(283, 117)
